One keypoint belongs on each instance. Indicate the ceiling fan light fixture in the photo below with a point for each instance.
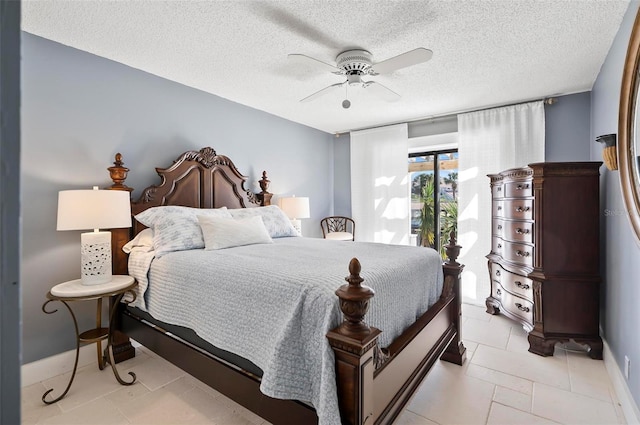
(354, 79)
(346, 104)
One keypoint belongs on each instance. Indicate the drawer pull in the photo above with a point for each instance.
(498, 292)
(497, 272)
(499, 245)
(522, 253)
(499, 188)
(522, 285)
(499, 226)
(522, 231)
(499, 208)
(521, 209)
(522, 308)
(522, 186)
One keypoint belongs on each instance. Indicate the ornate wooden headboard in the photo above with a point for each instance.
(199, 179)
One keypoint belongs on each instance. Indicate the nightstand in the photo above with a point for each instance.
(74, 291)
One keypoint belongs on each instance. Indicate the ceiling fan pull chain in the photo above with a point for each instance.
(345, 103)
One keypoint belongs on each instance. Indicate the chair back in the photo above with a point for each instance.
(338, 224)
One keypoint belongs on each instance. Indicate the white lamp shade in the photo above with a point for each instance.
(93, 209)
(295, 207)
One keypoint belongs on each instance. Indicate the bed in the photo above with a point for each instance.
(372, 374)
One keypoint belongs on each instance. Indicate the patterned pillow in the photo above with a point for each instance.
(176, 228)
(275, 220)
(220, 233)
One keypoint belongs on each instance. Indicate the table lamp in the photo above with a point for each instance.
(94, 209)
(295, 209)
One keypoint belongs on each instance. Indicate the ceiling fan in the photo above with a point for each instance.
(356, 63)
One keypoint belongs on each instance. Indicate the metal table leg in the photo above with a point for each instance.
(75, 364)
(109, 340)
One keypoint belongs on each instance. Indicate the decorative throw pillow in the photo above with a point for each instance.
(220, 233)
(275, 220)
(143, 240)
(176, 228)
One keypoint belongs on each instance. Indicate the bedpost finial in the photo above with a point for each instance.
(264, 182)
(452, 249)
(354, 303)
(118, 174)
(354, 272)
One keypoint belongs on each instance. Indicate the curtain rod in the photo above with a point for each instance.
(545, 100)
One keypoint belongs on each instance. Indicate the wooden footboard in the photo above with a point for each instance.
(374, 386)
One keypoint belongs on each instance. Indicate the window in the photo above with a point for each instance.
(434, 197)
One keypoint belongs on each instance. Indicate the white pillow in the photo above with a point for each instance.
(222, 233)
(176, 228)
(143, 240)
(275, 220)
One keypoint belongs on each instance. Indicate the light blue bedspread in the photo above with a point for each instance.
(274, 303)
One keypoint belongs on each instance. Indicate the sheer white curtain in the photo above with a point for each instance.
(380, 184)
(490, 141)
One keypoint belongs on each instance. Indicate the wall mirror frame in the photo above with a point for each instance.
(629, 130)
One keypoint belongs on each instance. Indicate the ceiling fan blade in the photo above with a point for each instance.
(412, 57)
(381, 91)
(308, 60)
(322, 92)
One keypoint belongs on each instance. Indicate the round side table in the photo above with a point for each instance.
(73, 291)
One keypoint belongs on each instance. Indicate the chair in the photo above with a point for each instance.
(338, 228)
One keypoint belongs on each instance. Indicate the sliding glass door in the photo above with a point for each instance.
(434, 194)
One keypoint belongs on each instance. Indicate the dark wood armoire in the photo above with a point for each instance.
(544, 263)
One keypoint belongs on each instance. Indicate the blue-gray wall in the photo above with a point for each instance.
(79, 109)
(621, 259)
(567, 128)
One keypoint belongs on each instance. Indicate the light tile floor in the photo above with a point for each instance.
(500, 383)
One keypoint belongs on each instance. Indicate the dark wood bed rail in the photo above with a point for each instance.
(373, 385)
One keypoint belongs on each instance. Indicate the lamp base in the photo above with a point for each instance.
(95, 248)
(297, 224)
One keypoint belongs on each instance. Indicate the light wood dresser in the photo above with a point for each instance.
(544, 264)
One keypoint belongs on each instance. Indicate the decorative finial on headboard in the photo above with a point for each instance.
(118, 174)
(264, 182)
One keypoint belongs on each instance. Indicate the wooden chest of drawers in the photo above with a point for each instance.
(544, 264)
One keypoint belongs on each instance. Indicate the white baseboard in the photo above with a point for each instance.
(629, 406)
(41, 370)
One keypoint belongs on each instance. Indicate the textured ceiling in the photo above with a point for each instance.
(485, 53)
